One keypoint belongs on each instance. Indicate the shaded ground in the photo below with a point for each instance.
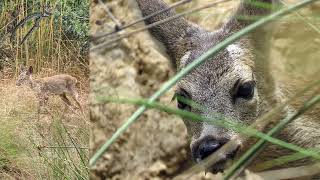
(156, 146)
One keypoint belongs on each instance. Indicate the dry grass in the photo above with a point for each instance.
(27, 144)
(32, 149)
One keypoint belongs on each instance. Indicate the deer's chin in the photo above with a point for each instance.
(220, 166)
(223, 163)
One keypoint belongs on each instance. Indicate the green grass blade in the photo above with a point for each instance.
(229, 124)
(280, 161)
(219, 122)
(306, 21)
(259, 145)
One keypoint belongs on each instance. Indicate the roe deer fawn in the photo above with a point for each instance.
(236, 82)
(60, 85)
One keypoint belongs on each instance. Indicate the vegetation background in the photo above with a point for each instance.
(55, 147)
(156, 146)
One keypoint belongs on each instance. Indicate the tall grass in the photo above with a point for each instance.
(57, 44)
(56, 146)
(52, 148)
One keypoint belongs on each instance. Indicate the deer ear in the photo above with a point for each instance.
(171, 33)
(248, 12)
(30, 70)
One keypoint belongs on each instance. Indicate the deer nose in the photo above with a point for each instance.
(206, 148)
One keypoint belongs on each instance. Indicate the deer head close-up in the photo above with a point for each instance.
(236, 83)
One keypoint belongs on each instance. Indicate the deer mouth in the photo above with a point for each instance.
(218, 167)
(221, 164)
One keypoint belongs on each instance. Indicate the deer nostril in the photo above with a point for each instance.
(206, 148)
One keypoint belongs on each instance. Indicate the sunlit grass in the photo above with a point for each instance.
(50, 148)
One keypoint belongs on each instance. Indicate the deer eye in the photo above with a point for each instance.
(244, 90)
(181, 97)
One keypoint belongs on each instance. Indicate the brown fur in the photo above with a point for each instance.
(58, 85)
(210, 83)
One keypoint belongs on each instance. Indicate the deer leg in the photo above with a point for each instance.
(66, 100)
(39, 109)
(75, 96)
(45, 99)
(40, 105)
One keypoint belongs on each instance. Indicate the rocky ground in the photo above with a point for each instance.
(156, 146)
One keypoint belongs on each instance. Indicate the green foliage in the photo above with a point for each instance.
(58, 40)
(75, 19)
(9, 146)
(74, 15)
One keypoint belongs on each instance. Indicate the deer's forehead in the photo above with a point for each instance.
(235, 51)
(234, 55)
(219, 73)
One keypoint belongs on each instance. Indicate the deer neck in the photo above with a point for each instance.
(33, 85)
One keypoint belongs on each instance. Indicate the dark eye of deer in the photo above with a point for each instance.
(182, 96)
(245, 90)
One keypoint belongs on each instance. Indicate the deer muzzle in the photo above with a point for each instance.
(207, 146)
